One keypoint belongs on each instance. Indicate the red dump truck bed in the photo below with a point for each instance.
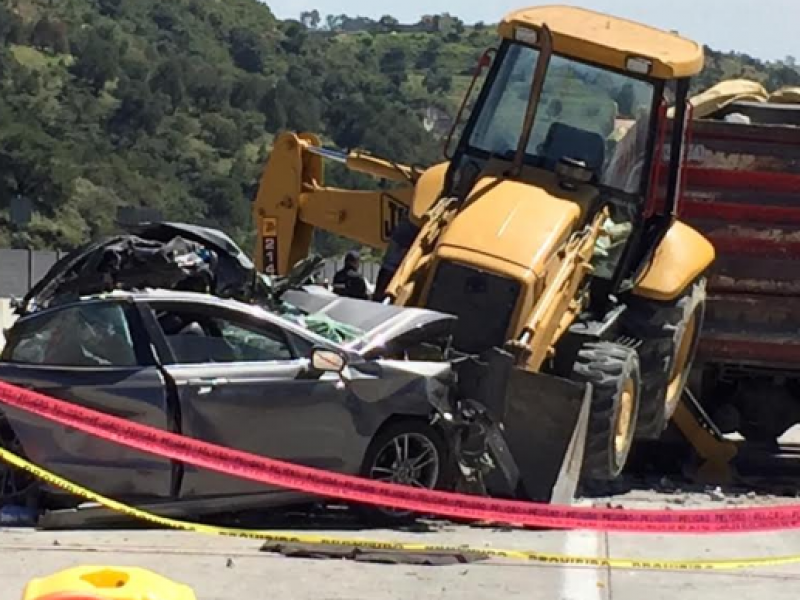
(742, 190)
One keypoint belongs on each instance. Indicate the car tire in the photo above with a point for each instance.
(613, 372)
(16, 486)
(670, 332)
(425, 442)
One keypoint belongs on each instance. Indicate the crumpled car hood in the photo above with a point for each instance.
(386, 329)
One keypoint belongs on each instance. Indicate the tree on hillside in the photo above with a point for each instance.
(10, 24)
(248, 91)
(97, 59)
(310, 18)
(394, 65)
(783, 76)
(30, 167)
(165, 16)
(110, 8)
(436, 82)
(247, 50)
(388, 23)
(428, 57)
(50, 34)
(222, 133)
(295, 37)
(225, 202)
(334, 22)
(167, 78)
(140, 111)
(209, 87)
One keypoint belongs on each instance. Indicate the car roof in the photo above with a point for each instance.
(161, 295)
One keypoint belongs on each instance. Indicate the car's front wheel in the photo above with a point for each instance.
(408, 452)
(16, 486)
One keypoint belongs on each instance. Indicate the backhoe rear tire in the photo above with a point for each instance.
(613, 372)
(670, 332)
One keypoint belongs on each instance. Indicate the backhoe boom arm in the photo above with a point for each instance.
(292, 202)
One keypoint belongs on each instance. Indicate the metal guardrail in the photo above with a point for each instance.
(21, 269)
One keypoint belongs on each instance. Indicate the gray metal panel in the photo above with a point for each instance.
(14, 276)
(42, 261)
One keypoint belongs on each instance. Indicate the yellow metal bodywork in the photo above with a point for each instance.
(723, 94)
(525, 231)
(292, 202)
(378, 167)
(683, 255)
(785, 95)
(611, 41)
(428, 190)
(513, 221)
(111, 583)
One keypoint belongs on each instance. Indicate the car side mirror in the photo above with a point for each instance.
(328, 361)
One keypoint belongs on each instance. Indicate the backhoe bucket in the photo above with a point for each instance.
(544, 424)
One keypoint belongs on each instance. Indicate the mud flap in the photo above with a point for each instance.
(544, 424)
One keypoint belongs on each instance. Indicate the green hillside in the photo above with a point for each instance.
(173, 105)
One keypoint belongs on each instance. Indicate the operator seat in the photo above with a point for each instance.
(563, 140)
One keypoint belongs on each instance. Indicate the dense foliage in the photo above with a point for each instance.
(107, 104)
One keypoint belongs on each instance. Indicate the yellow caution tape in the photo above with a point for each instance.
(273, 536)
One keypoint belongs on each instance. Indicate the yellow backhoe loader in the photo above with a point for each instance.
(550, 231)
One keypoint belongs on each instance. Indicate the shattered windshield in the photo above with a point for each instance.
(586, 113)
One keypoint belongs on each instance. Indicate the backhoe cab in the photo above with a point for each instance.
(550, 233)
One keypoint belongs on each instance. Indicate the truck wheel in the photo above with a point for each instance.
(613, 372)
(669, 333)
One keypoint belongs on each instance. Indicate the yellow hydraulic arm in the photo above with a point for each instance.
(293, 201)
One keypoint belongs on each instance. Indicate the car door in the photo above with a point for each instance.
(92, 354)
(243, 384)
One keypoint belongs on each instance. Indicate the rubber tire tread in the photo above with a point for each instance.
(660, 326)
(448, 468)
(607, 367)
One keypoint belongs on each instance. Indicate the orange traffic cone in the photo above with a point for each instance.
(106, 583)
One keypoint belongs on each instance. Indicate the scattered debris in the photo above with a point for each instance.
(394, 557)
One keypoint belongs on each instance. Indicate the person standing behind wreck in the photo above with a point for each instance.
(348, 281)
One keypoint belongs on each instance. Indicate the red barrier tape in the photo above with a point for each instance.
(345, 487)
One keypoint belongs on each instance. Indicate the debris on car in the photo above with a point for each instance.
(180, 257)
(203, 365)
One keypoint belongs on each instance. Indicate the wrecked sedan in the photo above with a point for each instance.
(231, 374)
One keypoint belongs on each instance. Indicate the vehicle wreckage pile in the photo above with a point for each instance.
(174, 327)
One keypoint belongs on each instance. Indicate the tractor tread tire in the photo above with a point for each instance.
(660, 327)
(607, 367)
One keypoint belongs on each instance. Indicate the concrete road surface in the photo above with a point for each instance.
(234, 569)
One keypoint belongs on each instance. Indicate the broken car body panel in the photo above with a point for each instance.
(282, 409)
(154, 255)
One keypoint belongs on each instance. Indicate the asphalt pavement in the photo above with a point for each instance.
(220, 568)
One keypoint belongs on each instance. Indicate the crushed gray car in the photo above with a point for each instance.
(482, 408)
(236, 375)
